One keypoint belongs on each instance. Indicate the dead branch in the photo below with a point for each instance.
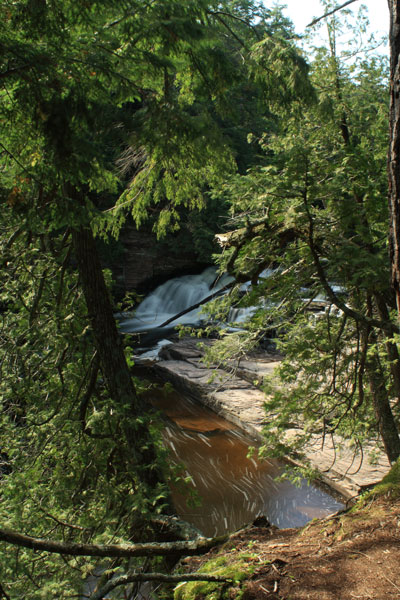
(239, 237)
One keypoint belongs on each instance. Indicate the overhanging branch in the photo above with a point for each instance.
(192, 547)
(333, 297)
(238, 238)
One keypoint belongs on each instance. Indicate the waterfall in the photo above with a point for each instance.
(173, 297)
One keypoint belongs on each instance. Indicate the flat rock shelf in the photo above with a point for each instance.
(231, 394)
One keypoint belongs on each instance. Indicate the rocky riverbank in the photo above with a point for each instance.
(231, 393)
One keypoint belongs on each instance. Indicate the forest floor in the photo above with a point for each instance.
(354, 555)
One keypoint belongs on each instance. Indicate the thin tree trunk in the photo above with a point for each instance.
(114, 367)
(394, 146)
(391, 347)
(383, 413)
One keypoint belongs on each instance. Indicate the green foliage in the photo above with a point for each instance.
(105, 109)
(65, 470)
(236, 568)
(158, 88)
(195, 130)
(316, 216)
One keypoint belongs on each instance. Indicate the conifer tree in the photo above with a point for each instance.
(84, 83)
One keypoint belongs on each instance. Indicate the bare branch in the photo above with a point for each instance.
(331, 12)
(232, 16)
(3, 593)
(233, 34)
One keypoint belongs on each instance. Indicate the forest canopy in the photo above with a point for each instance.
(114, 112)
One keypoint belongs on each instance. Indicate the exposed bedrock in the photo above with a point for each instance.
(231, 394)
(145, 262)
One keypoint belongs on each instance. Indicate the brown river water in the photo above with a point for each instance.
(231, 489)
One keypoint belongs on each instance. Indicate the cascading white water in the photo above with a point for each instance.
(242, 314)
(173, 297)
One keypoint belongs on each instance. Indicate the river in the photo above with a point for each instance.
(230, 490)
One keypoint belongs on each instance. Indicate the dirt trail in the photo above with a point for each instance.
(348, 557)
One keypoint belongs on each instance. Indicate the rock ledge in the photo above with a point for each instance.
(232, 395)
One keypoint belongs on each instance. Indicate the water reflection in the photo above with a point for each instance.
(233, 489)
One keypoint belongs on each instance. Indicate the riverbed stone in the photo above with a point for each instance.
(233, 394)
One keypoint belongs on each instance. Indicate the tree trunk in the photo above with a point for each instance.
(394, 146)
(384, 416)
(114, 367)
(391, 347)
(383, 413)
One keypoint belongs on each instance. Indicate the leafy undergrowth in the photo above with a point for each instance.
(355, 555)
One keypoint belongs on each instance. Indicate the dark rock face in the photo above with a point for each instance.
(147, 263)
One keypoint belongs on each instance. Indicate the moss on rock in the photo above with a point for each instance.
(235, 567)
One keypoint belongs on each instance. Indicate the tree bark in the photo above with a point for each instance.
(198, 546)
(110, 350)
(383, 413)
(391, 347)
(394, 146)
